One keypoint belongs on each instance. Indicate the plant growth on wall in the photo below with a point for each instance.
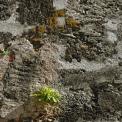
(47, 100)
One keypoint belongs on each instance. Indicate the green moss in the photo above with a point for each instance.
(47, 95)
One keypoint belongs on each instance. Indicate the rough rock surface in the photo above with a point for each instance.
(93, 98)
(33, 11)
(84, 64)
(21, 72)
(6, 8)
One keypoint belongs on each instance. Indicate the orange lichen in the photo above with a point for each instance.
(42, 28)
(72, 23)
(52, 22)
(59, 13)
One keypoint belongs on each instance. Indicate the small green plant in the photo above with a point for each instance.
(4, 52)
(47, 95)
(46, 100)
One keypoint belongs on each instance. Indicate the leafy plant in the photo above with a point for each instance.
(5, 52)
(47, 95)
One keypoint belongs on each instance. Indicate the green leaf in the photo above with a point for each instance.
(54, 100)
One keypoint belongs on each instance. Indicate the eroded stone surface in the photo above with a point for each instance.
(91, 90)
(20, 72)
(6, 8)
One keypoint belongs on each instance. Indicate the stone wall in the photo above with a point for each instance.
(84, 64)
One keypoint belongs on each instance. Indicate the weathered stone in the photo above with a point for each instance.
(33, 12)
(12, 81)
(6, 8)
(91, 88)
